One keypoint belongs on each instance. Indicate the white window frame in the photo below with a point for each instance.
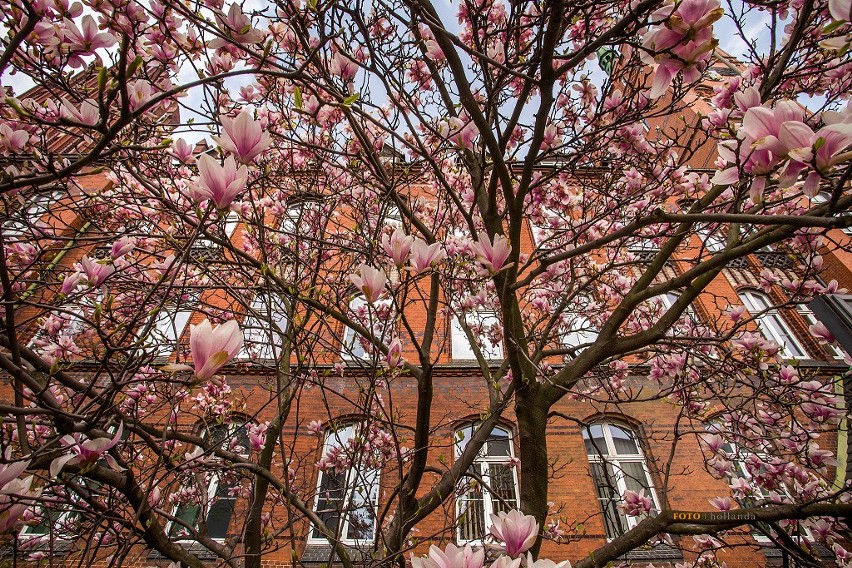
(213, 478)
(357, 481)
(771, 325)
(264, 306)
(461, 347)
(615, 459)
(484, 462)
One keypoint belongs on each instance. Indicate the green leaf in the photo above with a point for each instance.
(135, 65)
(297, 97)
(102, 79)
(351, 99)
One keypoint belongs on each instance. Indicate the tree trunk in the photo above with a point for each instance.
(535, 470)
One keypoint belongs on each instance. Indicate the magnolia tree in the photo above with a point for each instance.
(390, 164)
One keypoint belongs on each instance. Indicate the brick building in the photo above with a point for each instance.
(599, 446)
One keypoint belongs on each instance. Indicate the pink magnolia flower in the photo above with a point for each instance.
(721, 503)
(504, 561)
(463, 132)
(96, 272)
(735, 312)
(88, 114)
(315, 427)
(85, 451)
(636, 504)
(243, 136)
(741, 486)
(394, 357)
(222, 183)
(492, 256)
(237, 26)
(545, 563)
(343, 67)
(12, 141)
(819, 331)
(423, 256)
(182, 151)
(551, 137)
(257, 436)
(515, 530)
(371, 282)
(85, 41)
(122, 246)
(71, 281)
(452, 557)
(211, 349)
(434, 51)
(397, 246)
(16, 496)
(12, 470)
(840, 10)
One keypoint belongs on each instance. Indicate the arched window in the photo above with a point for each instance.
(210, 510)
(346, 500)
(617, 464)
(771, 324)
(490, 486)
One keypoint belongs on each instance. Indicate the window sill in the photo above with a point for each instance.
(196, 549)
(321, 554)
(662, 552)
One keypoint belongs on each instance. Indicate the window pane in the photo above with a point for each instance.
(615, 523)
(471, 509)
(498, 443)
(330, 501)
(362, 517)
(502, 484)
(594, 439)
(635, 477)
(189, 515)
(623, 440)
(220, 513)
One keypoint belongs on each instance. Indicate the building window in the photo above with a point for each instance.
(355, 346)
(264, 326)
(580, 335)
(810, 319)
(617, 464)
(299, 211)
(771, 325)
(169, 323)
(213, 494)
(714, 240)
(825, 197)
(481, 323)
(753, 467)
(30, 219)
(346, 500)
(58, 522)
(490, 486)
